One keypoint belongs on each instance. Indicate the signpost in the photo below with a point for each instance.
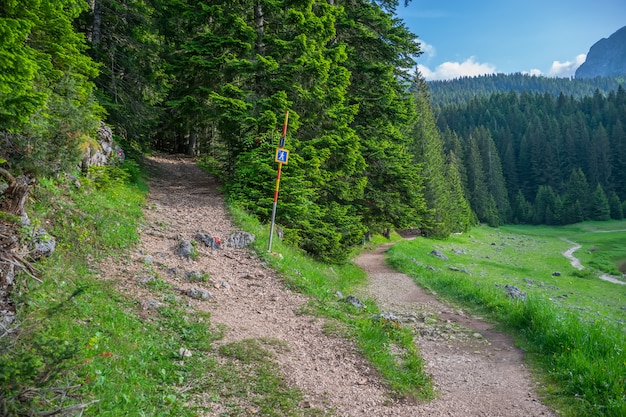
(282, 156)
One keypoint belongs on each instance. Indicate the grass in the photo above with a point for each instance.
(571, 326)
(84, 346)
(324, 284)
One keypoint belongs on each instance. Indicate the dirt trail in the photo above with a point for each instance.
(575, 262)
(476, 376)
(474, 367)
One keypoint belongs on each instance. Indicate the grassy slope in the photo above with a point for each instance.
(571, 325)
(83, 345)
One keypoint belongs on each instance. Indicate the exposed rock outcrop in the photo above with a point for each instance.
(606, 58)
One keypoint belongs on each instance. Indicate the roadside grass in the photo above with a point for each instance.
(390, 349)
(83, 346)
(571, 326)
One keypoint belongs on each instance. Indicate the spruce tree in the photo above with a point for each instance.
(599, 205)
(615, 206)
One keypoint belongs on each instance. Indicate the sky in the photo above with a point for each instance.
(475, 37)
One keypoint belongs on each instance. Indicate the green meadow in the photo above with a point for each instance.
(570, 322)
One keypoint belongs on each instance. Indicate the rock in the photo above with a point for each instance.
(210, 241)
(556, 274)
(184, 353)
(458, 251)
(150, 304)
(388, 319)
(195, 276)
(514, 292)
(185, 249)
(103, 152)
(339, 294)
(606, 57)
(44, 243)
(351, 299)
(198, 294)
(239, 240)
(529, 281)
(439, 255)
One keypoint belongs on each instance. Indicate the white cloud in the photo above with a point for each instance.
(451, 70)
(567, 68)
(428, 49)
(534, 71)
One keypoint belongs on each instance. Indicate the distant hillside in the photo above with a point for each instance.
(606, 58)
(462, 90)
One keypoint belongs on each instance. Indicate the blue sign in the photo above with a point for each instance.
(281, 155)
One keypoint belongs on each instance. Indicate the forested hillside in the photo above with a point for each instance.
(215, 79)
(536, 158)
(464, 89)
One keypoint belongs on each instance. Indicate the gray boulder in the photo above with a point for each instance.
(239, 239)
(210, 241)
(439, 255)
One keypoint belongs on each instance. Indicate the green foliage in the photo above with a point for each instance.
(555, 150)
(45, 93)
(578, 340)
(465, 89)
(133, 81)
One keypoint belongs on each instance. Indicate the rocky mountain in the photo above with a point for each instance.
(606, 58)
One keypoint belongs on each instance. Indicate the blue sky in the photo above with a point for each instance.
(474, 37)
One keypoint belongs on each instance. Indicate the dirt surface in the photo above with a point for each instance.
(575, 262)
(477, 372)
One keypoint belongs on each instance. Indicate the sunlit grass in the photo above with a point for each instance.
(571, 324)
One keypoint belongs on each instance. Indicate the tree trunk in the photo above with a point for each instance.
(13, 199)
(93, 33)
(259, 23)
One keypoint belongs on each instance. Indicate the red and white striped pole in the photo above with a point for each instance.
(281, 157)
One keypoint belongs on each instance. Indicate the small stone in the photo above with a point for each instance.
(351, 299)
(150, 304)
(184, 353)
(185, 249)
(198, 294)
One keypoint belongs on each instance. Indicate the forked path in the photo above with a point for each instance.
(476, 376)
(475, 368)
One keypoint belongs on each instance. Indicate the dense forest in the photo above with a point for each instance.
(214, 79)
(547, 160)
(464, 89)
(368, 154)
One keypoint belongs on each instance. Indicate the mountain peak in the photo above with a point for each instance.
(606, 58)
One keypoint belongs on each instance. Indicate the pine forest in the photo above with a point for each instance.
(373, 146)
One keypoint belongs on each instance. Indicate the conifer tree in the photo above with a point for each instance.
(599, 205)
(448, 209)
(576, 201)
(46, 96)
(615, 206)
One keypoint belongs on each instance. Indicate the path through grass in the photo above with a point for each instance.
(571, 323)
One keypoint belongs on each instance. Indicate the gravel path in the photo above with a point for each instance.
(476, 370)
(575, 262)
